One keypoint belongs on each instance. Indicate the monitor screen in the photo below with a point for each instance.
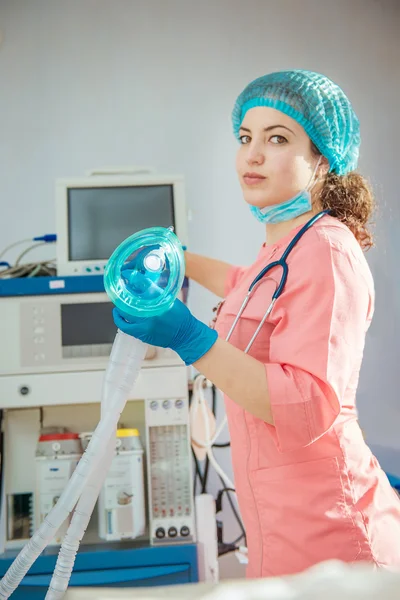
(101, 218)
(87, 324)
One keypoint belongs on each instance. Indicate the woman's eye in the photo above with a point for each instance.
(244, 139)
(279, 139)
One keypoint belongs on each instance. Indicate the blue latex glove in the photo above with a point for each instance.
(177, 329)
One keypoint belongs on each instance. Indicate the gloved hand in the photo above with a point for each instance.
(177, 329)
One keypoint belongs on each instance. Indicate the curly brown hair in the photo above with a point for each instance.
(350, 199)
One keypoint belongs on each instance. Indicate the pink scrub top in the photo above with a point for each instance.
(309, 488)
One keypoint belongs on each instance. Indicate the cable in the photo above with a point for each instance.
(48, 237)
(207, 465)
(35, 271)
(30, 269)
(197, 473)
(220, 493)
(2, 253)
(32, 247)
(214, 409)
(227, 490)
(238, 519)
(199, 400)
(39, 268)
(214, 399)
(205, 476)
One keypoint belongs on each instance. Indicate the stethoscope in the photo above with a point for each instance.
(285, 270)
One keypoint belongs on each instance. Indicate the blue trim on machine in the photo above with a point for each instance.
(42, 286)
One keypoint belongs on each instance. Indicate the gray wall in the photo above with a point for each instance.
(88, 83)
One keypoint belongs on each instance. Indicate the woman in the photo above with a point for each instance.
(308, 487)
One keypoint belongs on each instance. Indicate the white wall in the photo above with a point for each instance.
(88, 83)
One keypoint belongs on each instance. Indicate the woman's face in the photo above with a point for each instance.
(275, 161)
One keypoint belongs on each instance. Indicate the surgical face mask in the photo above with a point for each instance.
(296, 206)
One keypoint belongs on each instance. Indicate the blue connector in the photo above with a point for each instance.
(48, 237)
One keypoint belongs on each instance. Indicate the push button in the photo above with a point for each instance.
(172, 532)
(160, 533)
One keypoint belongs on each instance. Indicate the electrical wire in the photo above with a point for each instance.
(226, 547)
(32, 269)
(46, 238)
(203, 478)
(3, 252)
(46, 267)
(214, 409)
(207, 465)
(197, 474)
(197, 396)
(32, 247)
(227, 490)
(200, 401)
(236, 515)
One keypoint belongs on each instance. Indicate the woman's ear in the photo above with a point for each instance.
(323, 168)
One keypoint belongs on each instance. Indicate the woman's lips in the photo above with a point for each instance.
(253, 178)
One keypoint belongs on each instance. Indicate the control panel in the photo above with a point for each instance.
(169, 467)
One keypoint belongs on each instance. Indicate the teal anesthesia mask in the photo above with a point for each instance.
(296, 206)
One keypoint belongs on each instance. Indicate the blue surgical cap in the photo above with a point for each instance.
(317, 104)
